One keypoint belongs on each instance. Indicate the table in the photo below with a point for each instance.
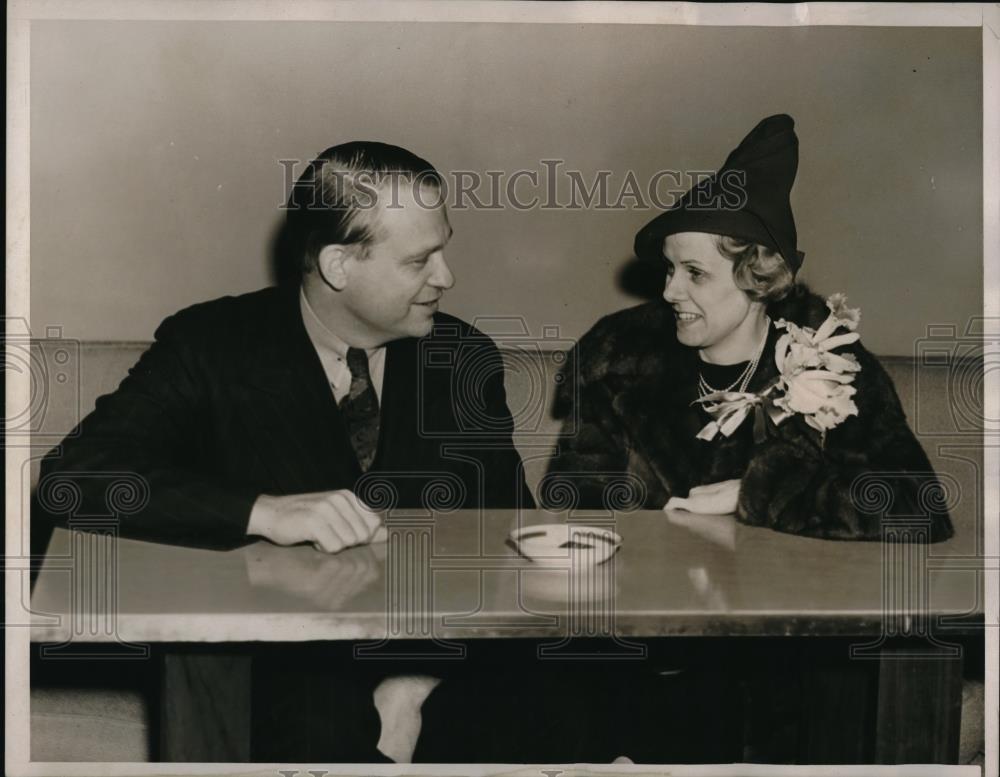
(444, 578)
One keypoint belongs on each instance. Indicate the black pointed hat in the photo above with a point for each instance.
(748, 198)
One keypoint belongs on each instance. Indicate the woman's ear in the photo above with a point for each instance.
(331, 264)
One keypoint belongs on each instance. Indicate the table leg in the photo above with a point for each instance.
(835, 717)
(205, 707)
(919, 710)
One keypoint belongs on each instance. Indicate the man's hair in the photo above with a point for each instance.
(335, 198)
(757, 270)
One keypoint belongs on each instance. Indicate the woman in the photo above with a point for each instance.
(632, 386)
(699, 403)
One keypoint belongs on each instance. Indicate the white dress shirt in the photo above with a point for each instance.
(332, 353)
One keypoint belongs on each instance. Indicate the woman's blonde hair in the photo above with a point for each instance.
(757, 269)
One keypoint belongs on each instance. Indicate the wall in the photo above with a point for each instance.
(156, 179)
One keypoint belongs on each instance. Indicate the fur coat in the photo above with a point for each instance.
(625, 401)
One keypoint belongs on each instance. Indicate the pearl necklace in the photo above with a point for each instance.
(743, 379)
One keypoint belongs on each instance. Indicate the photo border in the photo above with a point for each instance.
(20, 15)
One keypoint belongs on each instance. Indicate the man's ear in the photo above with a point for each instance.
(331, 264)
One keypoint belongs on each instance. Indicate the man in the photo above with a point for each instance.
(276, 414)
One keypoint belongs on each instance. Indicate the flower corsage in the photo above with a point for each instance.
(812, 381)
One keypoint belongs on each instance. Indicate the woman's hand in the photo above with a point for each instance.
(712, 499)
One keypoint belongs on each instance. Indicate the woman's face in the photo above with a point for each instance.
(712, 314)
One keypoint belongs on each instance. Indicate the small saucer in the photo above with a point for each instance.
(563, 544)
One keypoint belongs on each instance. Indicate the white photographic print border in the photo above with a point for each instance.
(20, 16)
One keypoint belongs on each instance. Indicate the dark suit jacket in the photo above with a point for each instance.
(231, 401)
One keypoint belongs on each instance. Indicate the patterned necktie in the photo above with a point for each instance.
(359, 408)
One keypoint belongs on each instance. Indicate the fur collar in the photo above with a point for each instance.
(800, 306)
(651, 381)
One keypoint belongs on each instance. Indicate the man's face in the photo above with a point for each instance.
(393, 291)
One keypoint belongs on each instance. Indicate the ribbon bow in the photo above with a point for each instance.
(729, 409)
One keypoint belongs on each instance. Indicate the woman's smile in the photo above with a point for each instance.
(684, 318)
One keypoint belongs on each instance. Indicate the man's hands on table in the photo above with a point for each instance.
(330, 520)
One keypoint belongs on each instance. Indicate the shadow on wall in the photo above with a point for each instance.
(642, 278)
(283, 262)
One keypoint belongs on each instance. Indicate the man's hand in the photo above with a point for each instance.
(330, 520)
(713, 499)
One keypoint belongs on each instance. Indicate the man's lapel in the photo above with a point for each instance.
(304, 442)
(400, 394)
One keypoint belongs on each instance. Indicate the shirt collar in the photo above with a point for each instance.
(321, 336)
